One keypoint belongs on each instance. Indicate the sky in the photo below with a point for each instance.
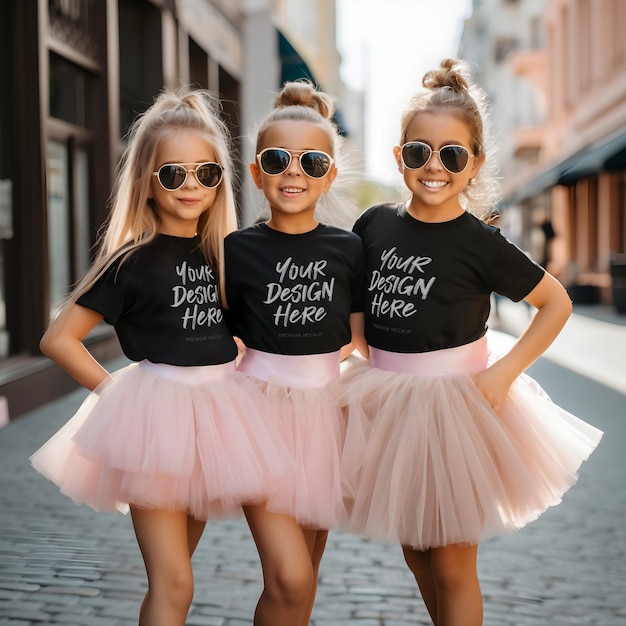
(386, 47)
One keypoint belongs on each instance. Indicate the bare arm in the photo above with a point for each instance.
(63, 343)
(553, 309)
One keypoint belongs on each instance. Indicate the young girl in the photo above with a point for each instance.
(445, 446)
(171, 435)
(293, 287)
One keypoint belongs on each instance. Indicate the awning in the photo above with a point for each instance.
(606, 155)
(294, 67)
(541, 182)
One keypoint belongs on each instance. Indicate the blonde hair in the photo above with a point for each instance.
(133, 220)
(299, 101)
(450, 89)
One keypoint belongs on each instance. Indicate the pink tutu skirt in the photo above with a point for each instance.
(427, 462)
(170, 438)
(300, 393)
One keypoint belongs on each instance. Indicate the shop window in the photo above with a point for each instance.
(6, 232)
(74, 23)
(58, 222)
(80, 215)
(198, 66)
(141, 67)
(70, 92)
(68, 217)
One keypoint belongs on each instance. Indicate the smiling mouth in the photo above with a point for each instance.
(292, 190)
(434, 184)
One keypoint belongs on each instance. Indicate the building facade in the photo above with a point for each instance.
(497, 32)
(80, 71)
(564, 160)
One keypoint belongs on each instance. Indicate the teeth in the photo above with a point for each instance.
(292, 190)
(434, 184)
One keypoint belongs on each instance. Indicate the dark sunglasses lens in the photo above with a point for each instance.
(315, 164)
(275, 161)
(172, 176)
(209, 174)
(415, 155)
(454, 158)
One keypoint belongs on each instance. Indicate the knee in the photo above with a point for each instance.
(290, 586)
(175, 586)
(448, 578)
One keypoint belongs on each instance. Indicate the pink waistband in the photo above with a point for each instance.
(193, 374)
(468, 359)
(301, 371)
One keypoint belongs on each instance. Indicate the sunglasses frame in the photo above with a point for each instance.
(195, 172)
(437, 152)
(297, 154)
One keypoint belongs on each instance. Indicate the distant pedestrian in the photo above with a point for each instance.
(294, 287)
(549, 235)
(446, 445)
(175, 436)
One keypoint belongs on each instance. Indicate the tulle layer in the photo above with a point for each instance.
(300, 394)
(169, 438)
(427, 462)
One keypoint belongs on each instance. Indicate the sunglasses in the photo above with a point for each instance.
(314, 163)
(416, 154)
(172, 176)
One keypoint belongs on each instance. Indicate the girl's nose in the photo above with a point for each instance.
(191, 180)
(434, 163)
(294, 166)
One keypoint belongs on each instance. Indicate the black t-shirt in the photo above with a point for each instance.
(163, 302)
(293, 294)
(429, 284)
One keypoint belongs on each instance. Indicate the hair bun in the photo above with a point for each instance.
(303, 93)
(453, 73)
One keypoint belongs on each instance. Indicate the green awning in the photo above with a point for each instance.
(607, 155)
(294, 67)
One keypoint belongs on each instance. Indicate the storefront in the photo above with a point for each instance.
(78, 72)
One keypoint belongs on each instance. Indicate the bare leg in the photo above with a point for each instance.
(448, 583)
(316, 542)
(287, 569)
(459, 599)
(166, 540)
(420, 565)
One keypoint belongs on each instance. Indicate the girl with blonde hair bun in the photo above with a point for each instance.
(294, 287)
(449, 443)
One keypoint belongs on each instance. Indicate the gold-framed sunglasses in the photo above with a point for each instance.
(416, 154)
(172, 176)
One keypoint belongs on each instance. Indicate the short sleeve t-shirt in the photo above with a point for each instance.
(293, 294)
(428, 285)
(163, 302)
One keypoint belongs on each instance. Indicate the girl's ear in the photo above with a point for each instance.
(397, 154)
(255, 170)
(329, 178)
(479, 161)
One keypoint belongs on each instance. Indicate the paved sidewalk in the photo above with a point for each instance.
(63, 564)
(592, 343)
